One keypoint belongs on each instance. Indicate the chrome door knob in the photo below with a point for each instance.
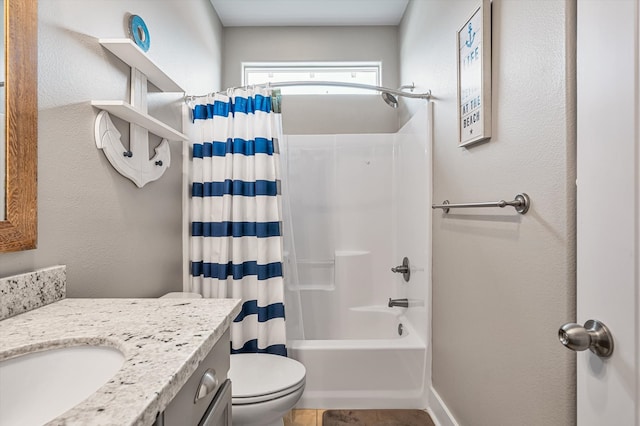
(594, 336)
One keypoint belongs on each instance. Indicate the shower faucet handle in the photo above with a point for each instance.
(403, 269)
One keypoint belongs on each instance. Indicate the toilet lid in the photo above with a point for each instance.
(263, 374)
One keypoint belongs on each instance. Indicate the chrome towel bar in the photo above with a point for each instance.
(521, 203)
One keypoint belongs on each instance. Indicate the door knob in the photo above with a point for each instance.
(594, 336)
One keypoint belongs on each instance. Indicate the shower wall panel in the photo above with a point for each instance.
(363, 211)
(412, 216)
(341, 206)
(311, 171)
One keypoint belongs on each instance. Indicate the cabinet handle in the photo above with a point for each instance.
(208, 383)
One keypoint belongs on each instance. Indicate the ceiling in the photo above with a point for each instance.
(259, 13)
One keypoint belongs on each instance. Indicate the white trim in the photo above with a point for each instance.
(438, 411)
(186, 167)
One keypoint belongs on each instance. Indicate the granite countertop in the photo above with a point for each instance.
(163, 341)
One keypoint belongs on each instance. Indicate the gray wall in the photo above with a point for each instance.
(502, 283)
(326, 114)
(116, 240)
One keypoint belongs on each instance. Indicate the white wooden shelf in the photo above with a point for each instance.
(132, 55)
(134, 162)
(128, 113)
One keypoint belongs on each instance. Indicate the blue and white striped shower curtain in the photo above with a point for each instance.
(236, 241)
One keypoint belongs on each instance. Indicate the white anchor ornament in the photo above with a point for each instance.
(132, 163)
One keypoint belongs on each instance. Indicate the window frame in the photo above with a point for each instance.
(317, 67)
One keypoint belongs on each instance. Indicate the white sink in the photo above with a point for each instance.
(39, 386)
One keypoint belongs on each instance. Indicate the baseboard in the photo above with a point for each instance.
(438, 411)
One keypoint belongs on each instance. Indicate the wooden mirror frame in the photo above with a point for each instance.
(19, 229)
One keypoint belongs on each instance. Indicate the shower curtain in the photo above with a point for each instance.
(236, 215)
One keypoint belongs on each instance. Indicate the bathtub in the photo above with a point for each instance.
(370, 365)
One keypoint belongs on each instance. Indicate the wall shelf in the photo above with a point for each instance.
(134, 163)
(133, 56)
(125, 111)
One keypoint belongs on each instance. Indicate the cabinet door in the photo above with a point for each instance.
(219, 412)
(188, 410)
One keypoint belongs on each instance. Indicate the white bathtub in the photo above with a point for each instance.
(369, 366)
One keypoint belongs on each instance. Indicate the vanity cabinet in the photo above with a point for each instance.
(205, 399)
(170, 382)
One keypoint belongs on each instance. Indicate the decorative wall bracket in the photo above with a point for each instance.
(134, 163)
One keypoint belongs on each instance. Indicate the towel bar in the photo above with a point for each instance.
(521, 203)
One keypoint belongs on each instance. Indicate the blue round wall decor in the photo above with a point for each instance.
(139, 33)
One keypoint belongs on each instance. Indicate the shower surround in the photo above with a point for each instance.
(358, 204)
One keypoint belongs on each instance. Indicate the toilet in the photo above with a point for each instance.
(264, 387)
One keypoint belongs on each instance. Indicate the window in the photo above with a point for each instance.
(346, 72)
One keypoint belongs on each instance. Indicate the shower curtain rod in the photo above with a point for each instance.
(397, 92)
(380, 89)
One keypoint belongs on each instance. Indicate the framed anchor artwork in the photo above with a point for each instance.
(474, 76)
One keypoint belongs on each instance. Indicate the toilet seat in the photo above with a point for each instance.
(258, 378)
(268, 397)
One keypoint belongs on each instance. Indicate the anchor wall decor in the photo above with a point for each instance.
(134, 163)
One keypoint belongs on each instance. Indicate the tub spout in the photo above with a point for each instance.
(403, 303)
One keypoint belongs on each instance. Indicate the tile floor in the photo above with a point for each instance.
(310, 417)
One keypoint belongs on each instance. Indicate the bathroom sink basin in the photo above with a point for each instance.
(39, 386)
